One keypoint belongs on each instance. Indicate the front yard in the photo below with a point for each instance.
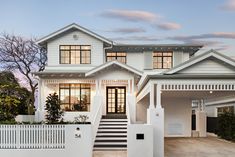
(198, 147)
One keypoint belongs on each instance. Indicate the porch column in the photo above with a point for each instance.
(39, 114)
(151, 96)
(158, 96)
(129, 86)
(97, 86)
(155, 117)
(201, 119)
(133, 86)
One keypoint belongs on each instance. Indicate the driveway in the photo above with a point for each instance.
(187, 147)
(198, 147)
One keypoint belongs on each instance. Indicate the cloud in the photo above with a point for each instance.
(137, 38)
(150, 18)
(168, 26)
(131, 15)
(128, 30)
(229, 5)
(224, 35)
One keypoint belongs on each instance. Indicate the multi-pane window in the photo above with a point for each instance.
(75, 97)
(162, 60)
(221, 110)
(119, 56)
(75, 54)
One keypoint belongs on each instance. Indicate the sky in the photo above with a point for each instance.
(207, 22)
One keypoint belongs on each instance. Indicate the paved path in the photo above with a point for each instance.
(198, 147)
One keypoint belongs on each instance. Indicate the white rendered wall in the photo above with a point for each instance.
(141, 110)
(97, 51)
(178, 114)
(139, 148)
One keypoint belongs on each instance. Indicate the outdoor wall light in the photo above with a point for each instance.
(211, 92)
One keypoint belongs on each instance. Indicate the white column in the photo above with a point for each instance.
(97, 87)
(39, 114)
(201, 120)
(158, 96)
(129, 86)
(155, 117)
(133, 86)
(151, 96)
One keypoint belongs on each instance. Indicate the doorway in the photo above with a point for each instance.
(116, 100)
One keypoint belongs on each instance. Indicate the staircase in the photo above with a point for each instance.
(112, 133)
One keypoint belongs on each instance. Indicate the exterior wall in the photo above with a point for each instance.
(141, 110)
(208, 66)
(97, 51)
(211, 110)
(135, 59)
(177, 117)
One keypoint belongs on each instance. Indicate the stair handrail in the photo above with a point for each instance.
(97, 112)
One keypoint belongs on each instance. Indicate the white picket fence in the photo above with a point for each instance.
(32, 136)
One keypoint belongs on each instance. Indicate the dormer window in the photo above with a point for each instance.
(162, 60)
(75, 54)
(119, 56)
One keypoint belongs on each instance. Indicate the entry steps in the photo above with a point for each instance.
(112, 133)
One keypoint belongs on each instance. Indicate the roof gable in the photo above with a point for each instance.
(209, 62)
(72, 26)
(109, 64)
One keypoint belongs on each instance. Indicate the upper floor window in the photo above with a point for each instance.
(162, 60)
(75, 54)
(119, 56)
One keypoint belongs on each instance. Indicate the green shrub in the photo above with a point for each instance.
(226, 126)
(8, 108)
(54, 112)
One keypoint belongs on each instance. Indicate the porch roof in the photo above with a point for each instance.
(194, 60)
(113, 63)
(60, 74)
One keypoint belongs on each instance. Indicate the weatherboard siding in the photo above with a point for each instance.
(97, 52)
(208, 66)
(135, 59)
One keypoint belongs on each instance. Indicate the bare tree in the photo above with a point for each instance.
(22, 55)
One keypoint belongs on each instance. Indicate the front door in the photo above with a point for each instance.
(116, 100)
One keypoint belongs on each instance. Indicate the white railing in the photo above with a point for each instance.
(97, 114)
(32, 136)
(197, 87)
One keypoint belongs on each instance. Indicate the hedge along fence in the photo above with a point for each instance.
(226, 126)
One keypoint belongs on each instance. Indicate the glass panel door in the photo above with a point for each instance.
(116, 100)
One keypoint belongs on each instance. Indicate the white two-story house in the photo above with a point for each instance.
(153, 84)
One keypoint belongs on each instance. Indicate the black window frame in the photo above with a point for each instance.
(80, 51)
(80, 94)
(116, 56)
(162, 58)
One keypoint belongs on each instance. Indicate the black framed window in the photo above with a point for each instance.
(162, 60)
(119, 56)
(75, 97)
(75, 54)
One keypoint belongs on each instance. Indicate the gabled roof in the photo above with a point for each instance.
(71, 27)
(111, 63)
(196, 59)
